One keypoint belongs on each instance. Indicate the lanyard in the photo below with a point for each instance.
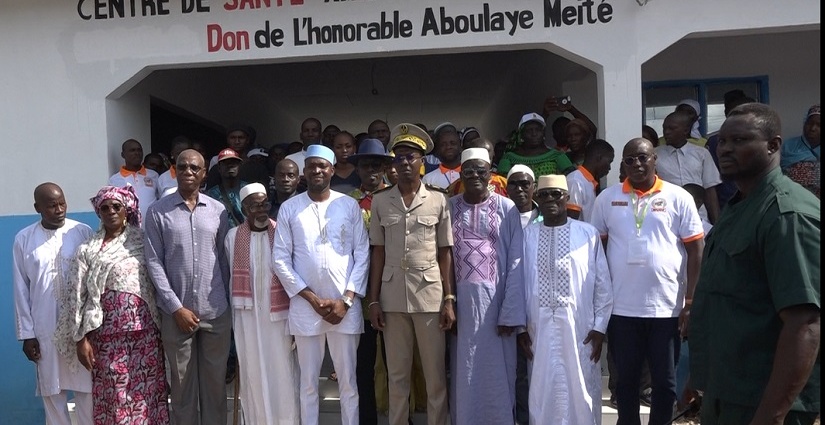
(638, 215)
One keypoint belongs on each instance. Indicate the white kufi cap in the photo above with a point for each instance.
(251, 189)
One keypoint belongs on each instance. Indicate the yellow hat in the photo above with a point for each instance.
(552, 181)
(410, 135)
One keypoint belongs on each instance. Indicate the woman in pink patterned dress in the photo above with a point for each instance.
(109, 319)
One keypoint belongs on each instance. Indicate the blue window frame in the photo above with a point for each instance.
(660, 98)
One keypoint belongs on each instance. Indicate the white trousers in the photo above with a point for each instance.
(57, 412)
(342, 349)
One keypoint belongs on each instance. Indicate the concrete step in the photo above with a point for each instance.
(330, 407)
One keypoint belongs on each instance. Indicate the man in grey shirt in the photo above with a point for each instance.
(185, 258)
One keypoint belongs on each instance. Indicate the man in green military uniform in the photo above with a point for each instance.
(754, 330)
(411, 276)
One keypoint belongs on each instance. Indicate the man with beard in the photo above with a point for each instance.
(267, 364)
(651, 228)
(490, 297)
(569, 300)
(370, 162)
(411, 275)
(755, 321)
(321, 256)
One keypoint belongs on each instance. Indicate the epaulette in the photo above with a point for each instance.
(384, 189)
(436, 188)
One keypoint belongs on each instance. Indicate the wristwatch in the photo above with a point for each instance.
(450, 297)
(347, 301)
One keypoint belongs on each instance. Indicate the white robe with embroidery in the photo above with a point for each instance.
(267, 363)
(322, 246)
(41, 262)
(571, 296)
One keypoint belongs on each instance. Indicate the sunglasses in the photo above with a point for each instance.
(471, 172)
(552, 194)
(410, 157)
(630, 160)
(113, 207)
(181, 168)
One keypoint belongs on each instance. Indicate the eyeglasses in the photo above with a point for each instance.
(630, 160)
(260, 206)
(552, 194)
(410, 157)
(181, 168)
(470, 172)
(113, 207)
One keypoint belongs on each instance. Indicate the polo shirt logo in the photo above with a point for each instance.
(148, 182)
(618, 204)
(659, 205)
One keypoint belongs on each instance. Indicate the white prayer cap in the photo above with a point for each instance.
(252, 188)
(475, 153)
(321, 151)
(521, 168)
(552, 181)
(692, 103)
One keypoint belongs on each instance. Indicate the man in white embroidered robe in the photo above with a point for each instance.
(569, 302)
(260, 306)
(42, 252)
(321, 256)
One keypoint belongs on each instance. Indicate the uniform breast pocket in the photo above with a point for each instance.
(740, 255)
(426, 227)
(390, 223)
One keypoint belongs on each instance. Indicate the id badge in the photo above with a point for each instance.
(637, 252)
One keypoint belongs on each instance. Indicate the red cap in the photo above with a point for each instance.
(228, 154)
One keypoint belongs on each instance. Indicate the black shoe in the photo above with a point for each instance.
(644, 397)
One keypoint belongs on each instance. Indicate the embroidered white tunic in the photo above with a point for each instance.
(322, 246)
(568, 293)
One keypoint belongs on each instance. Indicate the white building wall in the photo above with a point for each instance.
(66, 102)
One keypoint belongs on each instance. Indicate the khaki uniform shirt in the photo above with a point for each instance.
(411, 236)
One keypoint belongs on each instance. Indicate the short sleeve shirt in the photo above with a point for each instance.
(762, 256)
(652, 288)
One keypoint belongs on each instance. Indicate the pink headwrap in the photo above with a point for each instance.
(125, 195)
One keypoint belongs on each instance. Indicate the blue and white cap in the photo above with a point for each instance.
(321, 151)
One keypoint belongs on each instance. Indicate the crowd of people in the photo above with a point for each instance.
(441, 271)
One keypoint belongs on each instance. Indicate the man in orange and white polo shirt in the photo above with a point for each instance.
(651, 228)
(583, 183)
(133, 173)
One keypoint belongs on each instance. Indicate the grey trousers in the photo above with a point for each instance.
(197, 366)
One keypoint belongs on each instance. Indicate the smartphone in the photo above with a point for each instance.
(563, 100)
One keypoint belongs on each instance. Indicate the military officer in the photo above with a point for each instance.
(411, 296)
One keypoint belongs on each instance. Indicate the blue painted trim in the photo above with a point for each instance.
(18, 403)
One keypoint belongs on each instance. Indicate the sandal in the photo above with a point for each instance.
(333, 377)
